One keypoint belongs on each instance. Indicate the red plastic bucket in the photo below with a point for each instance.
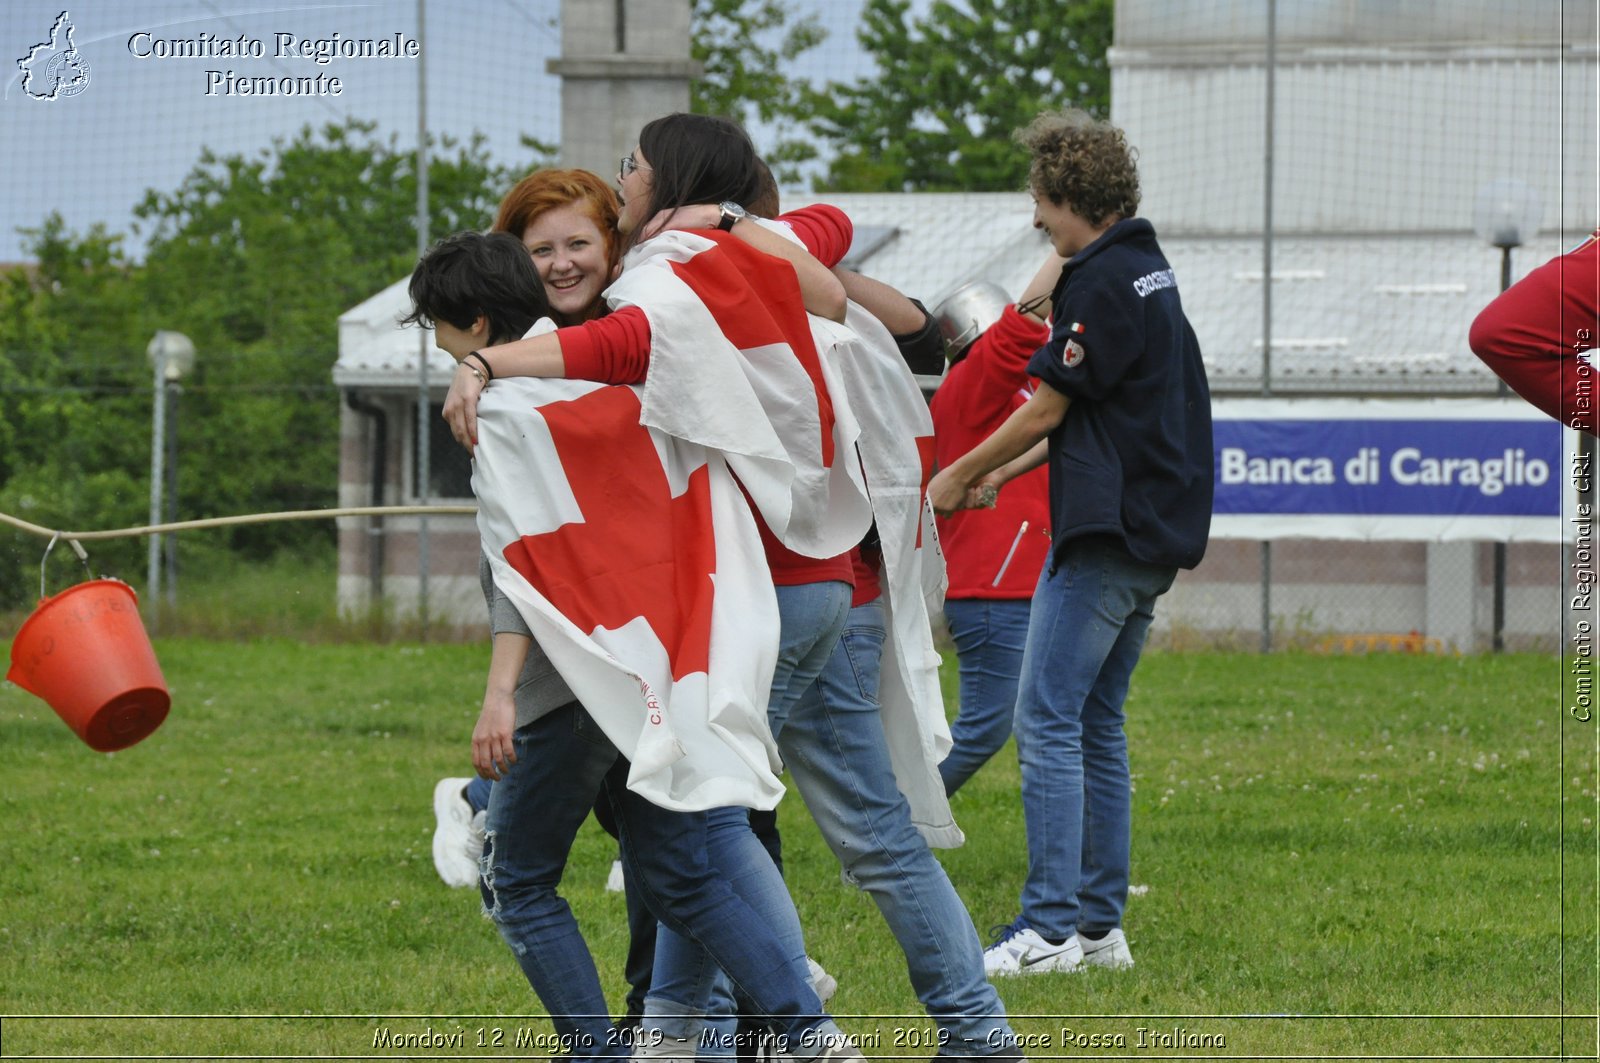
(85, 651)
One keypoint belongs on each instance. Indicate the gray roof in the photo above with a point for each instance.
(374, 351)
(1369, 314)
(945, 239)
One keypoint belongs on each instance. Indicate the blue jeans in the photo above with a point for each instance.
(641, 924)
(684, 989)
(534, 813)
(989, 634)
(563, 758)
(1091, 612)
(477, 793)
(834, 747)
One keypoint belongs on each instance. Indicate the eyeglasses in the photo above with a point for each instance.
(628, 165)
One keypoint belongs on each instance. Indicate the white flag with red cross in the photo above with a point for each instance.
(826, 429)
(896, 450)
(635, 561)
(735, 367)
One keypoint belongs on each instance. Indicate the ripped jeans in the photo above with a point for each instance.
(535, 811)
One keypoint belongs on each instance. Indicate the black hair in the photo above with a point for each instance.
(698, 158)
(765, 203)
(471, 273)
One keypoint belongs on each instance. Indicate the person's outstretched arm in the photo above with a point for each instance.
(1031, 423)
(820, 290)
(1536, 336)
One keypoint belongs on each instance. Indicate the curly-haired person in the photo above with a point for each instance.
(1124, 405)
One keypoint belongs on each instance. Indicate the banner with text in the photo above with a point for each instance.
(1440, 469)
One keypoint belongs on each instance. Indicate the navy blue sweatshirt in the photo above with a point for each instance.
(1132, 458)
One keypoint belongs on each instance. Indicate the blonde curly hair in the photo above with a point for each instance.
(1083, 163)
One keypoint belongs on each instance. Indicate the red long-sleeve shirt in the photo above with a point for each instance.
(977, 395)
(1538, 334)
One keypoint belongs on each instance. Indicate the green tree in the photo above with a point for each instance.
(254, 258)
(278, 244)
(953, 85)
(744, 46)
(74, 425)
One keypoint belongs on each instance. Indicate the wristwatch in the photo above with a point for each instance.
(731, 213)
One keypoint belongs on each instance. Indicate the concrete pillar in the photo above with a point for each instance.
(623, 62)
(1451, 613)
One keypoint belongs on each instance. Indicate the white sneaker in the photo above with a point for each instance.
(824, 983)
(1020, 950)
(1109, 951)
(614, 880)
(457, 834)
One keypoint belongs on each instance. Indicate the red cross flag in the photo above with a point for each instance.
(896, 450)
(638, 568)
(826, 429)
(734, 366)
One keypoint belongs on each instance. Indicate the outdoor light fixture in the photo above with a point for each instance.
(171, 356)
(1506, 215)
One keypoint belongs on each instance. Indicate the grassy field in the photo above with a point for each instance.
(1335, 857)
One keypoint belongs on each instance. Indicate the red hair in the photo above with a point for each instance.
(546, 190)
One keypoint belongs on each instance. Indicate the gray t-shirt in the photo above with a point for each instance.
(540, 687)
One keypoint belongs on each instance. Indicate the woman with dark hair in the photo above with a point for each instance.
(703, 160)
(694, 159)
(667, 323)
(567, 220)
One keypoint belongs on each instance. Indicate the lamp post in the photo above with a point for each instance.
(171, 356)
(1506, 215)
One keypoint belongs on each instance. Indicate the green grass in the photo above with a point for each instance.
(1405, 840)
(293, 594)
(290, 594)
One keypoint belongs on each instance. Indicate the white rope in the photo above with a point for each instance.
(73, 537)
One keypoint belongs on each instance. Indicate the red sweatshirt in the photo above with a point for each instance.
(615, 349)
(1535, 333)
(977, 395)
